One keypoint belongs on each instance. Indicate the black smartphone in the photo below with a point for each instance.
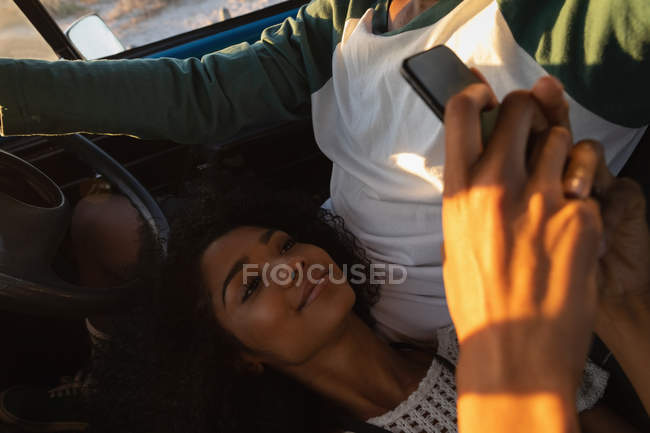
(436, 75)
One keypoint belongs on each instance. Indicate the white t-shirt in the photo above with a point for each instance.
(371, 124)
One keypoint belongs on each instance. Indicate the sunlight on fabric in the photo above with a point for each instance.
(480, 27)
(416, 165)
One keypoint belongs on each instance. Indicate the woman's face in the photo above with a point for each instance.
(285, 320)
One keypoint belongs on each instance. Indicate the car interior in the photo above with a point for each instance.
(42, 334)
(42, 341)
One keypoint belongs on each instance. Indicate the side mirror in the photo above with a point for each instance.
(93, 38)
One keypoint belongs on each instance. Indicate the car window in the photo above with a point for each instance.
(18, 38)
(139, 22)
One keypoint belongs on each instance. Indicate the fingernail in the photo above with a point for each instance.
(576, 185)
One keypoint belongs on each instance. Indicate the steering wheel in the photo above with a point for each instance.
(34, 216)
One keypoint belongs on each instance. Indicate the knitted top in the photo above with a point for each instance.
(432, 407)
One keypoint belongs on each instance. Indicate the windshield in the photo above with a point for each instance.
(18, 38)
(139, 22)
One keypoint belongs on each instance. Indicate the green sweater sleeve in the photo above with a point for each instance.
(188, 101)
(599, 49)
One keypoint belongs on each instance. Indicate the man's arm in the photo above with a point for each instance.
(623, 320)
(188, 101)
(629, 341)
(552, 412)
(598, 49)
(521, 285)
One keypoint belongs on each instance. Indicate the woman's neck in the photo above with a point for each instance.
(361, 372)
(401, 12)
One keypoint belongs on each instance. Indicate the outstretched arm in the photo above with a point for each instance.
(188, 101)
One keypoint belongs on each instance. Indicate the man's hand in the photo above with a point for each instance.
(520, 260)
(624, 263)
(623, 315)
(518, 252)
(624, 271)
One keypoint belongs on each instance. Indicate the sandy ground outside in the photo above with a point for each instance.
(19, 40)
(17, 37)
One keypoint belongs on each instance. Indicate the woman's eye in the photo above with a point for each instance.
(251, 287)
(288, 245)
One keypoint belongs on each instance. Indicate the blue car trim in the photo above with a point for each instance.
(246, 33)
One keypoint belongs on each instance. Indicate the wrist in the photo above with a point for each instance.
(515, 363)
(532, 413)
(503, 386)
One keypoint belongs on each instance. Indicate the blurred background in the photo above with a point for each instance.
(134, 22)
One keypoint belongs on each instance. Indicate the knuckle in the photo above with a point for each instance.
(591, 146)
(539, 204)
(523, 101)
(560, 134)
(542, 194)
(552, 81)
(564, 106)
(554, 145)
(460, 103)
(575, 210)
(494, 201)
(518, 99)
(553, 90)
(561, 105)
(500, 201)
(585, 214)
(483, 90)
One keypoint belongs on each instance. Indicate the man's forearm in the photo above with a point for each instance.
(508, 413)
(627, 335)
(187, 101)
(499, 391)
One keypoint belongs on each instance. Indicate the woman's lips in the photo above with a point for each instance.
(312, 291)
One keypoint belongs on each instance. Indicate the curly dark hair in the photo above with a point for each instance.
(171, 367)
